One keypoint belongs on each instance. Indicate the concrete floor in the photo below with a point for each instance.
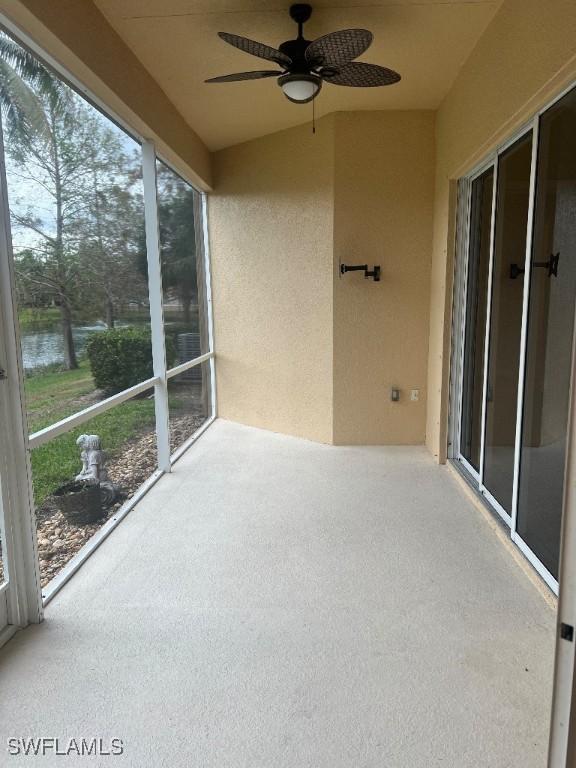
(280, 604)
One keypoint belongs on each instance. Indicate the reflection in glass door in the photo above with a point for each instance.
(549, 337)
(512, 201)
(475, 321)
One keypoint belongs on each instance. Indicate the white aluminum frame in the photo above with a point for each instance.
(488, 329)
(156, 304)
(209, 307)
(459, 303)
(562, 745)
(183, 367)
(22, 593)
(524, 328)
(65, 425)
(458, 318)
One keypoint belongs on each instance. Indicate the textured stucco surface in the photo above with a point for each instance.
(301, 350)
(271, 243)
(524, 58)
(275, 602)
(384, 181)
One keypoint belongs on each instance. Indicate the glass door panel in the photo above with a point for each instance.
(475, 328)
(549, 338)
(512, 200)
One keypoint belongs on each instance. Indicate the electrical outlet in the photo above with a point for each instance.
(414, 395)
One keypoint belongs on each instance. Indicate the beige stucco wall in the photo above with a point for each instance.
(79, 38)
(384, 182)
(271, 222)
(525, 57)
(301, 350)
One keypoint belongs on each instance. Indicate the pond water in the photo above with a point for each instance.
(45, 346)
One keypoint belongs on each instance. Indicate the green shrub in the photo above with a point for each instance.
(120, 358)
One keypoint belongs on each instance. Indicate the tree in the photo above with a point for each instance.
(43, 117)
(77, 202)
(110, 249)
(177, 240)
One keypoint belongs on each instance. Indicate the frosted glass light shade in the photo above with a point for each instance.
(300, 88)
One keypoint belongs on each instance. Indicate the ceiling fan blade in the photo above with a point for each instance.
(356, 74)
(244, 76)
(338, 47)
(256, 49)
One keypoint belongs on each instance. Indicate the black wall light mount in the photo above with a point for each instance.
(374, 273)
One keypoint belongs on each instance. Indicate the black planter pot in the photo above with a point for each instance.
(80, 503)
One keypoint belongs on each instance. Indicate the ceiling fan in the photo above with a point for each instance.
(306, 64)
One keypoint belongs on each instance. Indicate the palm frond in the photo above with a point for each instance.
(23, 111)
(41, 80)
(31, 97)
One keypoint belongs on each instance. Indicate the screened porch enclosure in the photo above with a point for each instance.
(106, 321)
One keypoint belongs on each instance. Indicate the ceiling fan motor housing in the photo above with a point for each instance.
(296, 50)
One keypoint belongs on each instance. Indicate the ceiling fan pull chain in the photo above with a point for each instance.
(313, 116)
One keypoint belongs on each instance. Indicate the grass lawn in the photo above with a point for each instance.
(52, 396)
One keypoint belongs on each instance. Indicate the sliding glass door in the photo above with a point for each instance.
(509, 251)
(549, 337)
(517, 292)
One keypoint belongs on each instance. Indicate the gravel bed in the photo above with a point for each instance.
(59, 541)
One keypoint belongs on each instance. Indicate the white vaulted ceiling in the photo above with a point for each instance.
(176, 40)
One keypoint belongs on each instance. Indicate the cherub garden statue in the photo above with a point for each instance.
(94, 467)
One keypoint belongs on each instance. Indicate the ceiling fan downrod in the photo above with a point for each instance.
(300, 13)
